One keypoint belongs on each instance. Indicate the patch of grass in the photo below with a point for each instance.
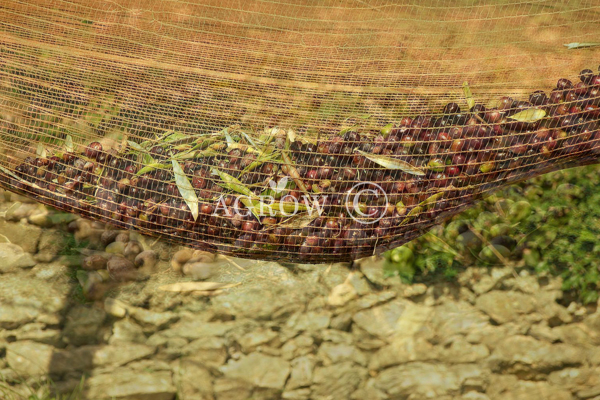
(549, 225)
(41, 389)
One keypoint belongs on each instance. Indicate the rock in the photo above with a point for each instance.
(577, 334)
(83, 325)
(29, 359)
(337, 381)
(115, 248)
(126, 384)
(146, 259)
(123, 237)
(399, 316)
(198, 271)
(302, 372)
(457, 317)
(331, 353)
(527, 390)
(313, 321)
(209, 351)
(251, 340)
(194, 328)
(298, 346)
(259, 370)
(461, 351)
(94, 262)
(341, 294)
(532, 358)
(107, 237)
(193, 381)
(115, 355)
(126, 331)
(121, 269)
(151, 320)
(298, 394)
(418, 380)
(37, 332)
(483, 281)
(180, 258)
(372, 268)
(341, 321)
(23, 300)
(268, 292)
(12, 257)
(25, 235)
(589, 392)
(574, 378)
(542, 331)
(504, 307)
(116, 308)
(401, 351)
(132, 249)
(232, 389)
(202, 257)
(52, 242)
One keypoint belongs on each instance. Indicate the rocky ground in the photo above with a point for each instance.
(290, 331)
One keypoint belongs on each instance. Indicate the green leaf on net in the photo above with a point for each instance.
(185, 188)
(69, 144)
(468, 95)
(392, 163)
(40, 151)
(529, 115)
(135, 146)
(152, 167)
(233, 183)
(572, 46)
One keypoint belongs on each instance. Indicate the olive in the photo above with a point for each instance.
(93, 150)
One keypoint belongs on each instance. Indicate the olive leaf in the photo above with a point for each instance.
(40, 151)
(8, 172)
(529, 115)
(69, 144)
(135, 146)
(431, 199)
(572, 46)
(278, 208)
(233, 183)
(151, 167)
(415, 211)
(298, 221)
(291, 135)
(392, 163)
(468, 95)
(185, 188)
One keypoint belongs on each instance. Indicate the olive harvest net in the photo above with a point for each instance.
(304, 130)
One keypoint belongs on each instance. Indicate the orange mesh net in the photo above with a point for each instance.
(306, 130)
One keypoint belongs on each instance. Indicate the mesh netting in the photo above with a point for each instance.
(307, 130)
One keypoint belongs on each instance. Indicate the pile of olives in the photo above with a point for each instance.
(426, 168)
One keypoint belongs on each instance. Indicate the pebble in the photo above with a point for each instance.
(132, 249)
(94, 262)
(146, 259)
(198, 271)
(121, 269)
(115, 248)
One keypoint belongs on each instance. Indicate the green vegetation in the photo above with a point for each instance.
(550, 224)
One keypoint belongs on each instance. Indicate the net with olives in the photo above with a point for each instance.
(257, 140)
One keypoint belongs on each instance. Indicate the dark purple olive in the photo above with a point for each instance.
(93, 150)
(586, 76)
(564, 84)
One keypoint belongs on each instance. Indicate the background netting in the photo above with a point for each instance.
(219, 85)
